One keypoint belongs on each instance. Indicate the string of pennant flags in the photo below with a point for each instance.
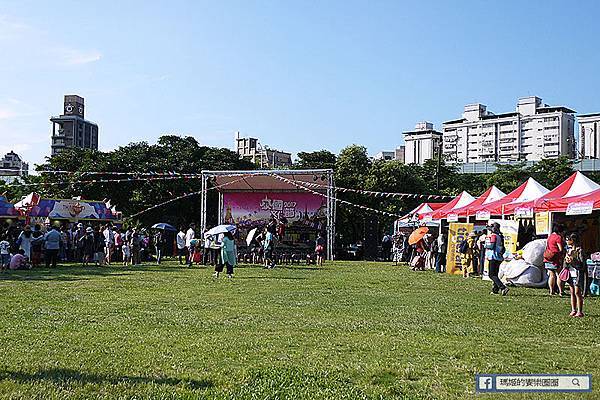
(183, 196)
(377, 194)
(335, 198)
(174, 176)
(92, 181)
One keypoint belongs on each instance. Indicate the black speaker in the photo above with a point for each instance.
(371, 238)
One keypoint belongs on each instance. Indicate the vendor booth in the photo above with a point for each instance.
(37, 209)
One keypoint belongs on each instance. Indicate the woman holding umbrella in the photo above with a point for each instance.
(416, 239)
(228, 255)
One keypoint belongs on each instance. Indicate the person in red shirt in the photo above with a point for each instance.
(553, 258)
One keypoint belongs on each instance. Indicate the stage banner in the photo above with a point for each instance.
(72, 210)
(542, 223)
(457, 232)
(249, 210)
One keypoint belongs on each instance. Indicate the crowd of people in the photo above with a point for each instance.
(220, 250)
(23, 246)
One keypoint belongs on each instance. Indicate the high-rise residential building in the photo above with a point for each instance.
(250, 149)
(589, 135)
(12, 166)
(533, 132)
(421, 144)
(71, 129)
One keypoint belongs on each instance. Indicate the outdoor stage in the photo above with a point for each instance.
(303, 199)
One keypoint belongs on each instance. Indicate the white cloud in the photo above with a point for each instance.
(78, 57)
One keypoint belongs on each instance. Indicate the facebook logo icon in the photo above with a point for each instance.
(485, 383)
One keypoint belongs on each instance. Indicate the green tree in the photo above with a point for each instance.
(170, 154)
(508, 177)
(551, 172)
(322, 159)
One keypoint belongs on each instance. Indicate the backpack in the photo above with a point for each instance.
(463, 247)
(501, 248)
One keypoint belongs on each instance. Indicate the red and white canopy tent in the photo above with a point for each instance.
(489, 196)
(413, 216)
(582, 204)
(529, 190)
(574, 186)
(460, 201)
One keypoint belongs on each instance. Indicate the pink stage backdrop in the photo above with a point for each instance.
(253, 209)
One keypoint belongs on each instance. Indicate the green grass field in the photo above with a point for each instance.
(349, 331)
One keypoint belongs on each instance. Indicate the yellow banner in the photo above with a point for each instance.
(457, 232)
(542, 223)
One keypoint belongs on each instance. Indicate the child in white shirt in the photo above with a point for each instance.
(126, 254)
(4, 254)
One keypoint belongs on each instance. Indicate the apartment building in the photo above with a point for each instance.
(589, 136)
(250, 149)
(533, 132)
(422, 143)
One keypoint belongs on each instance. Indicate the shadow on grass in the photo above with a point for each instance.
(65, 376)
(270, 278)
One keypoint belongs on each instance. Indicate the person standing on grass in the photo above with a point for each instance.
(575, 264)
(440, 260)
(180, 239)
(118, 243)
(189, 236)
(126, 251)
(99, 246)
(87, 245)
(52, 241)
(158, 245)
(494, 245)
(4, 253)
(320, 249)
(136, 247)
(37, 244)
(228, 255)
(553, 257)
(268, 247)
(386, 247)
(109, 243)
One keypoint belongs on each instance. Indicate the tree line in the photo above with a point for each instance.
(353, 169)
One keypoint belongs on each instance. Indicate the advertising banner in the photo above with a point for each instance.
(249, 210)
(482, 215)
(457, 232)
(580, 208)
(542, 223)
(72, 210)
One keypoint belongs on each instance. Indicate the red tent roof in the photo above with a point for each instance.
(562, 204)
(575, 185)
(490, 195)
(423, 208)
(529, 190)
(459, 201)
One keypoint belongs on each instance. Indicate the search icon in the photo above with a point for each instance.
(575, 382)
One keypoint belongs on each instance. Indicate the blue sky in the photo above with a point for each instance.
(300, 75)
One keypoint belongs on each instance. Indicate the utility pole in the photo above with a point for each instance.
(438, 166)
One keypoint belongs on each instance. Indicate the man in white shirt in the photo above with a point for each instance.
(189, 236)
(180, 244)
(109, 242)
